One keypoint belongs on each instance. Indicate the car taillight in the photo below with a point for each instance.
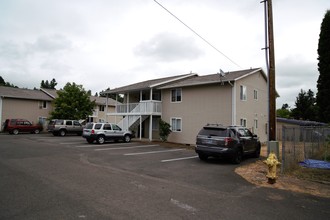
(93, 132)
(228, 140)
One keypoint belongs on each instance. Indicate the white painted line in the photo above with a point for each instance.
(176, 159)
(87, 145)
(183, 205)
(123, 148)
(152, 152)
(71, 142)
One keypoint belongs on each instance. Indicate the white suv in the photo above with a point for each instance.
(102, 132)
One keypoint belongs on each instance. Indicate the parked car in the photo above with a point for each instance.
(15, 126)
(228, 141)
(102, 132)
(62, 127)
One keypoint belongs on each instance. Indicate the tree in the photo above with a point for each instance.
(73, 102)
(284, 112)
(306, 108)
(323, 82)
(48, 85)
(8, 84)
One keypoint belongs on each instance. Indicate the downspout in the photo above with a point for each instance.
(233, 110)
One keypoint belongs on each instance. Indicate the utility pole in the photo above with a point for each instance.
(271, 76)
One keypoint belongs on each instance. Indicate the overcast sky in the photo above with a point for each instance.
(107, 43)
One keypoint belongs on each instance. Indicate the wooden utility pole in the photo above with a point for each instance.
(271, 76)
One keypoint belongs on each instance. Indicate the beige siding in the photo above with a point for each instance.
(252, 109)
(199, 106)
(25, 109)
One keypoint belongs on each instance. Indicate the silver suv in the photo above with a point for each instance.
(102, 132)
(62, 127)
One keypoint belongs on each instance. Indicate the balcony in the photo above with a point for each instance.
(141, 108)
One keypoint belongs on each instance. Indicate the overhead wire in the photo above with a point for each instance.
(206, 41)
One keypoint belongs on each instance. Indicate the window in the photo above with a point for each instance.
(101, 108)
(106, 127)
(176, 124)
(255, 94)
(155, 124)
(176, 95)
(243, 122)
(116, 128)
(68, 123)
(243, 94)
(43, 104)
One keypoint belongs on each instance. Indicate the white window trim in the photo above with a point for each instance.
(176, 118)
(255, 91)
(171, 96)
(243, 119)
(241, 93)
(41, 104)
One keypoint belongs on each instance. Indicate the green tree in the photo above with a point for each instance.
(306, 108)
(2, 81)
(284, 112)
(73, 102)
(323, 82)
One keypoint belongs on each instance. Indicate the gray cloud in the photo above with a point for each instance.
(169, 47)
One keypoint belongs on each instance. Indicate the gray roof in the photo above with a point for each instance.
(187, 80)
(98, 100)
(17, 93)
(149, 83)
(214, 78)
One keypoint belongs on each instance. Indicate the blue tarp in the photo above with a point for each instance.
(320, 164)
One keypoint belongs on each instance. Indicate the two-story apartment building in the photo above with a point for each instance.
(190, 101)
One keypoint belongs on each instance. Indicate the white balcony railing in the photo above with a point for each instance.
(141, 108)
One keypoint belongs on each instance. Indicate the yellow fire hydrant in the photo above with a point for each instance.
(272, 163)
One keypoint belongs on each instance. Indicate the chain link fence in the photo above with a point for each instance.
(301, 143)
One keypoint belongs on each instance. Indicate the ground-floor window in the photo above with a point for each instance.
(176, 124)
(243, 122)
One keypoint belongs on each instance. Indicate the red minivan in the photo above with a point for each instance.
(15, 126)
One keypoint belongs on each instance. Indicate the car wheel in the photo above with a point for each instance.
(62, 133)
(15, 131)
(37, 131)
(256, 153)
(127, 138)
(100, 139)
(237, 159)
(90, 141)
(202, 156)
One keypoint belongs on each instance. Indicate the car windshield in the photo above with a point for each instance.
(214, 132)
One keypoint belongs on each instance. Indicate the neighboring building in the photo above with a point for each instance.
(189, 101)
(291, 123)
(33, 105)
(36, 105)
(103, 105)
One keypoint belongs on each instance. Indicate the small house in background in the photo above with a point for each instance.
(188, 102)
(281, 122)
(33, 105)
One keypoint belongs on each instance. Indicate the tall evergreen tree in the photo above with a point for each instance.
(305, 106)
(323, 82)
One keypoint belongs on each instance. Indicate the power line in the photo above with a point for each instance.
(198, 34)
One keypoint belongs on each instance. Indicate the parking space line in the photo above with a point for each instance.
(122, 148)
(152, 152)
(71, 142)
(176, 159)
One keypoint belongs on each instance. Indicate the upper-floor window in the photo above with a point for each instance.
(43, 104)
(243, 122)
(243, 93)
(101, 108)
(255, 94)
(176, 95)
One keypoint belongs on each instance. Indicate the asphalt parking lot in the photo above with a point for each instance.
(47, 177)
